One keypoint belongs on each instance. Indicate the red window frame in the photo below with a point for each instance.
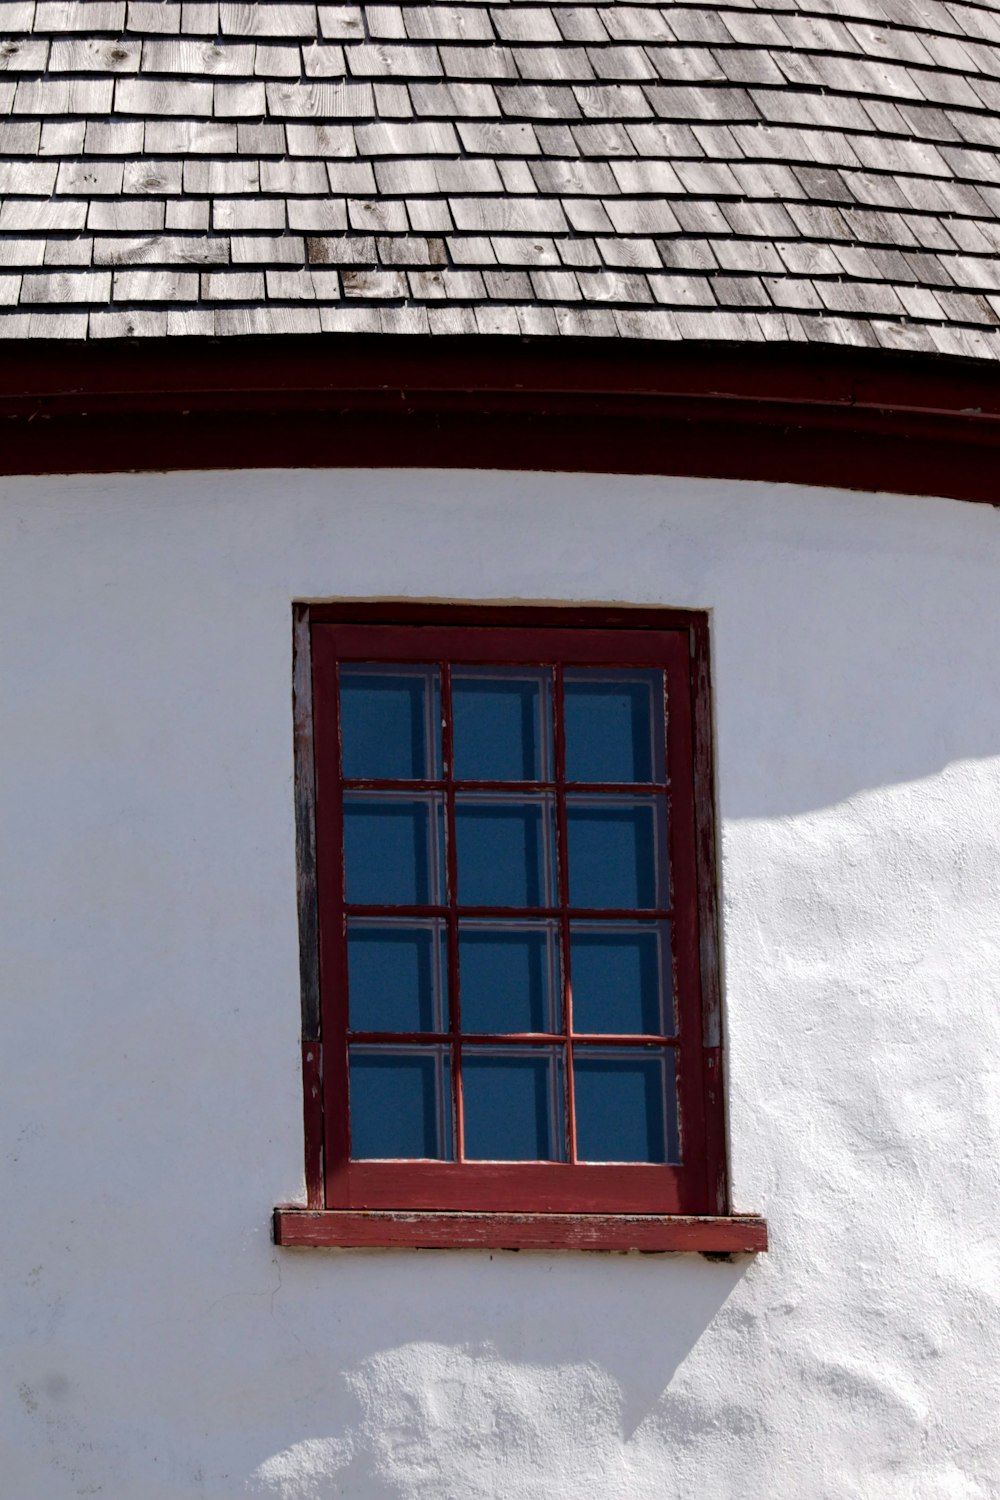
(548, 1204)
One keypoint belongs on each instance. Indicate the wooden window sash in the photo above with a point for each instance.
(676, 641)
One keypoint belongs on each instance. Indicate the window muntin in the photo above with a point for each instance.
(538, 817)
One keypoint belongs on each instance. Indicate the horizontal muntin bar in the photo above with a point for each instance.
(606, 788)
(518, 913)
(502, 1038)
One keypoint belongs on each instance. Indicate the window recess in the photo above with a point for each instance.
(509, 954)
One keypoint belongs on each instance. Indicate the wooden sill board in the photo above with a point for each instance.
(399, 1229)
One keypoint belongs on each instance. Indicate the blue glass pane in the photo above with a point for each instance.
(509, 976)
(626, 1105)
(621, 977)
(392, 848)
(617, 852)
(397, 975)
(505, 850)
(400, 1102)
(513, 1104)
(614, 725)
(502, 724)
(390, 722)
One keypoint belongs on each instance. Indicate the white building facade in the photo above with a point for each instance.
(158, 1344)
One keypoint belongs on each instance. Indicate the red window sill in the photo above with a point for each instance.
(399, 1229)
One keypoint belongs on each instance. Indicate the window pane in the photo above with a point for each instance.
(502, 723)
(392, 848)
(614, 725)
(400, 1102)
(390, 722)
(513, 1103)
(505, 850)
(626, 1105)
(397, 975)
(509, 976)
(617, 852)
(622, 977)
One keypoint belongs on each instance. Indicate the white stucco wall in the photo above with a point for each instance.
(155, 1345)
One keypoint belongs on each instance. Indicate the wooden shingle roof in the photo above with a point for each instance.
(750, 170)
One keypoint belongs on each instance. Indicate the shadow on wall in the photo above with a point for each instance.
(496, 1388)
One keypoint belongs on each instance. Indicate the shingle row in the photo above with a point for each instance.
(627, 79)
(441, 283)
(585, 48)
(764, 22)
(529, 320)
(824, 126)
(973, 190)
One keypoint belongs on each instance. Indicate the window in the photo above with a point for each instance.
(509, 966)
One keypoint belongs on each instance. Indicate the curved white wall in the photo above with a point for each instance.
(156, 1345)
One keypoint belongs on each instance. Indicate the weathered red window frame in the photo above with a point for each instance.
(546, 1205)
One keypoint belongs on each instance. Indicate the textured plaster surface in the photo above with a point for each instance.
(156, 1345)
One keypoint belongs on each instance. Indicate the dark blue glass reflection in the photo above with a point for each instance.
(622, 977)
(617, 852)
(400, 1103)
(390, 722)
(397, 975)
(505, 850)
(614, 725)
(512, 1102)
(502, 723)
(393, 848)
(626, 1105)
(509, 976)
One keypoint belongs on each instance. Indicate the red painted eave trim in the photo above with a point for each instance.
(847, 418)
(146, 373)
(355, 1229)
